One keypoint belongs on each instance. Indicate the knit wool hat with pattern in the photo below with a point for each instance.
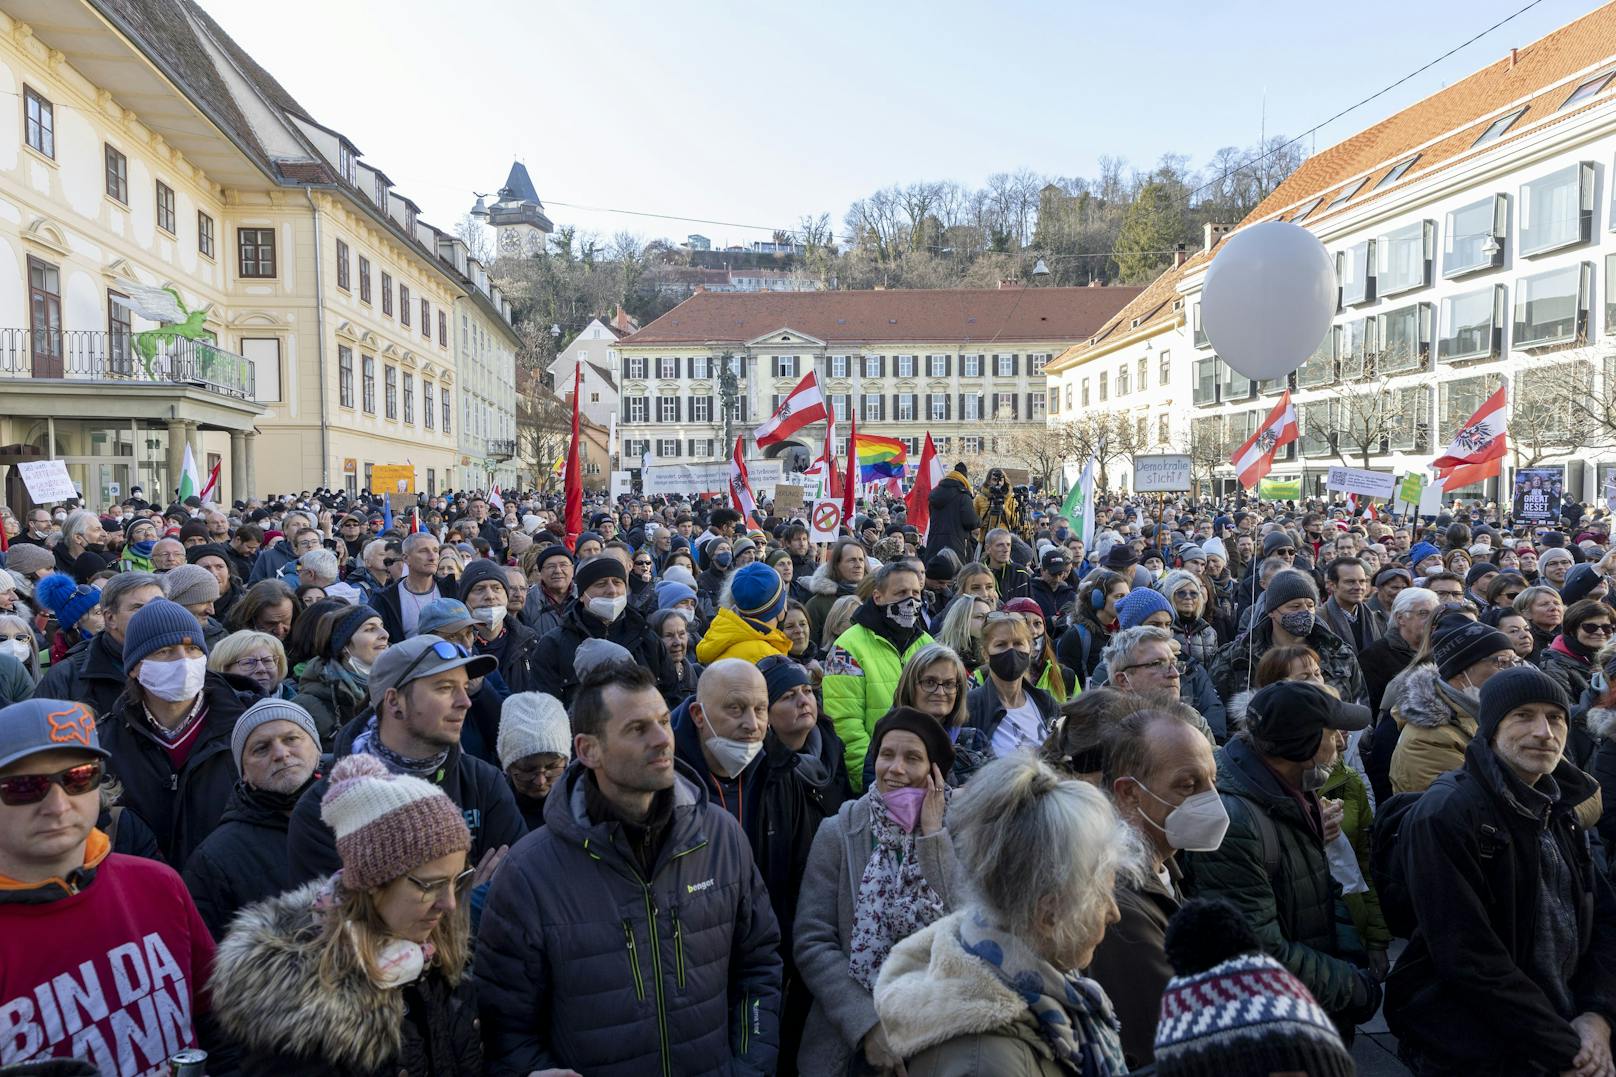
(1465, 644)
(531, 723)
(387, 824)
(25, 558)
(68, 600)
(758, 592)
(158, 624)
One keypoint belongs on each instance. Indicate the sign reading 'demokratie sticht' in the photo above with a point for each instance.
(1168, 474)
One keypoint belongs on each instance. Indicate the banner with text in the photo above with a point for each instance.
(47, 481)
(1161, 474)
(1538, 491)
(1352, 480)
(705, 478)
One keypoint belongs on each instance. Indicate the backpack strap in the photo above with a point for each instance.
(1266, 832)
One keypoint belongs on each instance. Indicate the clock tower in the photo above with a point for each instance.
(520, 226)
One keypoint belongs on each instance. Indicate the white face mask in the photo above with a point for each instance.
(361, 668)
(491, 617)
(608, 609)
(1196, 825)
(16, 648)
(175, 681)
(731, 756)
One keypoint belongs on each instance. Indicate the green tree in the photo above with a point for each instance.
(1152, 228)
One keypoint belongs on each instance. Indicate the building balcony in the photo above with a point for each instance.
(501, 448)
(115, 357)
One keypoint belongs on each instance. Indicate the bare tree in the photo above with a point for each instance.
(1107, 436)
(477, 238)
(1208, 447)
(1555, 411)
(1043, 453)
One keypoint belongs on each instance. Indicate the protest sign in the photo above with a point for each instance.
(47, 481)
(1352, 480)
(1166, 474)
(1538, 491)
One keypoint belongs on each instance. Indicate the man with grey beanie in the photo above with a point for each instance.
(1287, 616)
(1512, 965)
(276, 749)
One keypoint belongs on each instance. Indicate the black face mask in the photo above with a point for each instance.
(1009, 665)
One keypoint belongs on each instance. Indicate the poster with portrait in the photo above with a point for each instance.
(1538, 491)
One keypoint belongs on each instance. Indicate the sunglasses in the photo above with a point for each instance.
(389, 562)
(1604, 628)
(444, 649)
(23, 789)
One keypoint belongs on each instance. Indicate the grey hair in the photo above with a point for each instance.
(1170, 583)
(1018, 803)
(77, 522)
(415, 541)
(321, 564)
(373, 546)
(1270, 567)
(114, 590)
(1523, 601)
(1409, 595)
(1124, 643)
(18, 622)
(995, 535)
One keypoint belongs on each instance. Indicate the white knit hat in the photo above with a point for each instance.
(385, 823)
(532, 722)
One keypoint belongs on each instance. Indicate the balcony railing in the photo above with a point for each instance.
(95, 355)
(501, 448)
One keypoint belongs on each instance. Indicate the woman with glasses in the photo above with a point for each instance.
(935, 682)
(672, 627)
(1587, 626)
(1008, 711)
(363, 972)
(1503, 589)
(1440, 699)
(1196, 637)
(18, 640)
(254, 662)
(642, 581)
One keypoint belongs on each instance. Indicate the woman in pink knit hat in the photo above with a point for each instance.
(364, 972)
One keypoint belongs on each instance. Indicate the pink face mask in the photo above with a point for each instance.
(904, 807)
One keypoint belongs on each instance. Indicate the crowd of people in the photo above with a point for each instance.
(310, 785)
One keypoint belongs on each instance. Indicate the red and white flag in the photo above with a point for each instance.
(1255, 458)
(927, 476)
(740, 487)
(496, 502)
(1477, 451)
(212, 483)
(803, 405)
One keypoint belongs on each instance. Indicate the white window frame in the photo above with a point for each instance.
(637, 367)
(971, 366)
(872, 366)
(937, 366)
(1004, 365)
(667, 367)
(667, 409)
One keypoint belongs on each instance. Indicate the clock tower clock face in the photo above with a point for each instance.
(534, 242)
(509, 243)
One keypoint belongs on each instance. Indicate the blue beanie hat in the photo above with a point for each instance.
(1420, 551)
(346, 626)
(671, 592)
(758, 592)
(781, 676)
(68, 600)
(157, 625)
(1139, 604)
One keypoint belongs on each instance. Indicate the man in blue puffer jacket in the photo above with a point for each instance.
(633, 934)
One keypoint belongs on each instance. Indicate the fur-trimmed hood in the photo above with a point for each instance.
(1428, 703)
(1236, 711)
(267, 994)
(931, 991)
(1602, 722)
(820, 583)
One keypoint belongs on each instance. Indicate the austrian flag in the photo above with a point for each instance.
(1478, 449)
(1255, 458)
(805, 404)
(740, 484)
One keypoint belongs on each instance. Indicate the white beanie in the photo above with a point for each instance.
(530, 723)
(680, 574)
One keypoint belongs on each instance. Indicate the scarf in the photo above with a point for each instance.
(1070, 1012)
(368, 742)
(894, 899)
(1572, 649)
(399, 962)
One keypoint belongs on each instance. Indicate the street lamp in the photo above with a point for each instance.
(1040, 269)
(479, 211)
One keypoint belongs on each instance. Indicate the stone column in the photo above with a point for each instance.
(176, 461)
(249, 468)
(193, 434)
(238, 466)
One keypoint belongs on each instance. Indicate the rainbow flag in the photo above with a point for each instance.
(878, 457)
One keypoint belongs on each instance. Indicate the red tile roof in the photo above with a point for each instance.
(941, 316)
(1153, 305)
(1443, 127)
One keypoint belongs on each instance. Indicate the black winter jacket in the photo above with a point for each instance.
(1463, 992)
(552, 661)
(1050, 599)
(268, 995)
(518, 656)
(90, 673)
(953, 517)
(1235, 669)
(181, 807)
(616, 975)
(333, 696)
(984, 710)
(481, 791)
(242, 861)
(388, 603)
(1298, 913)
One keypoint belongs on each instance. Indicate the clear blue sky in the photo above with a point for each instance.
(760, 113)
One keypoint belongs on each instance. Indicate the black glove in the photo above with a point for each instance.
(1366, 996)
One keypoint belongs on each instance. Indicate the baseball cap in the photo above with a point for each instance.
(1292, 715)
(47, 725)
(1055, 558)
(423, 656)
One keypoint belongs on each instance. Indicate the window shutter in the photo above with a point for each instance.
(677, 447)
(895, 410)
(948, 365)
(678, 408)
(1015, 364)
(948, 407)
(625, 368)
(1029, 405)
(927, 416)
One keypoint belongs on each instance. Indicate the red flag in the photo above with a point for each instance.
(1255, 458)
(805, 404)
(927, 476)
(851, 482)
(213, 481)
(740, 484)
(1478, 449)
(573, 487)
(4, 545)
